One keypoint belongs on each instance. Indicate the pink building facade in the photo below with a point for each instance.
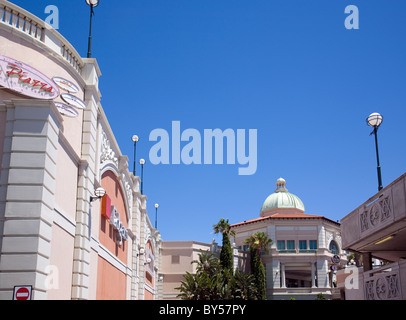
(56, 149)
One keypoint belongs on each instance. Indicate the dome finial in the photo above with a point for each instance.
(280, 185)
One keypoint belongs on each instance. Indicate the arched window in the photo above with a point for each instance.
(333, 247)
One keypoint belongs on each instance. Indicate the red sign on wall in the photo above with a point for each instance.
(22, 293)
(106, 206)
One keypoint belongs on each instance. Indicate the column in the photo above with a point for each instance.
(273, 270)
(27, 185)
(367, 261)
(143, 212)
(322, 274)
(136, 216)
(283, 276)
(86, 179)
(313, 276)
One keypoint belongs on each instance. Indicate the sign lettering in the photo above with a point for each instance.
(25, 80)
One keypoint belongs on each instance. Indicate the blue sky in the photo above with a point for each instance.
(288, 68)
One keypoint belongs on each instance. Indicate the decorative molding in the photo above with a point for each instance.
(107, 153)
(376, 214)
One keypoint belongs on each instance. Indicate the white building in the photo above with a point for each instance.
(305, 252)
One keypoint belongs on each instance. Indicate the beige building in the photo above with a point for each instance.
(377, 230)
(306, 249)
(177, 257)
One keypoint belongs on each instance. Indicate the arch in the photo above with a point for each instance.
(110, 166)
(333, 247)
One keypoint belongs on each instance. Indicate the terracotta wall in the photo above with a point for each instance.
(111, 282)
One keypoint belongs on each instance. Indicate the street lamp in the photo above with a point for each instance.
(375, 120)
(142, 162)
(91, 4)
(156, 215)
(135, 139)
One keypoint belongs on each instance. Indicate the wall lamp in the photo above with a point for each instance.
(99, 193)
(141, 252)
(148, 261)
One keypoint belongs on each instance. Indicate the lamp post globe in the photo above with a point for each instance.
(375, 120)
(100, 192)
(92, 3)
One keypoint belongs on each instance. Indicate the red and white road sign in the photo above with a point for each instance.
(22, 293)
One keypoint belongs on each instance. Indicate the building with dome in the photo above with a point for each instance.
(306, 249)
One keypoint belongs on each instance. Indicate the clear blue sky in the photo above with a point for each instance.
(288, 68)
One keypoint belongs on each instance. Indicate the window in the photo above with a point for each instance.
(302, 245)
(175, 259)
(291, 244)
(333, 247)
(281, 245)
(313, 244)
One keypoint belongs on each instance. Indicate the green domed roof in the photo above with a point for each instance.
(282, 199)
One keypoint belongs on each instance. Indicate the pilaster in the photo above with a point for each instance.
(27, 186)
(86, 181)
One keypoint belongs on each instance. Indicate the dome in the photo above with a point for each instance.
(281, 199)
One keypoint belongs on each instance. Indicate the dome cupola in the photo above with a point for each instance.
(282, 200)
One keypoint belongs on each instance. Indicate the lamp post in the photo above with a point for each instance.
(375, 120)
(156, 215)
(91, 4)
(135, 140)
(142, 162)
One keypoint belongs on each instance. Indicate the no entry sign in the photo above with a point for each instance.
(22, 293)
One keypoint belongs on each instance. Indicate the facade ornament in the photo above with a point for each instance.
(107, 153)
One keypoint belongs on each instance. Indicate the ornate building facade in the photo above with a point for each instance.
(306, 249)
(57, 237)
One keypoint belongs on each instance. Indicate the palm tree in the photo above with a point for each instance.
(258, 243)
(212, 282)
(226, 255)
